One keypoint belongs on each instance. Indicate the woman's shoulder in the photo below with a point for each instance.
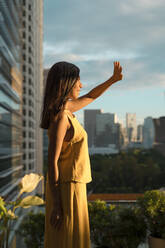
(59, 118)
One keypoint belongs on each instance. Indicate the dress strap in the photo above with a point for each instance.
(72, 116)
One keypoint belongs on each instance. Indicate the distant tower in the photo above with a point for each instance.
(159, 138)
(148, 132)
(131, 127)
(104, 119)
(140, 133)
(90, 124)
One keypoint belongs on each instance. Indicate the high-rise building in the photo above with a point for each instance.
(140, 133)
(148, 133)
(131, 127)
(90, 124)
(11, 166)
(104, 119)
(32, 69)
(159, 139)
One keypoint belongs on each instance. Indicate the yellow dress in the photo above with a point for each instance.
(74, 173)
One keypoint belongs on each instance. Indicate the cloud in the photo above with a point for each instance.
(92, 34)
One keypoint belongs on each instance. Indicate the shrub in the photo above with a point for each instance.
(32, 229)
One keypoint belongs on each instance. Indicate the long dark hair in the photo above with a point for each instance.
(60, 80)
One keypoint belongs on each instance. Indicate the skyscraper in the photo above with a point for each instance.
(104, 119)
(140, 133)
(11, 166)
(90, 124)
(32, 37)
(159, 138)
(131, 127)
(148, 132)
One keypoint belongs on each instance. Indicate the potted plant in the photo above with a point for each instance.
(7, 209)
(130, 227)
(152, 208)
(116, 226)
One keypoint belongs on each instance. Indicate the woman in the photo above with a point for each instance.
(67, 222)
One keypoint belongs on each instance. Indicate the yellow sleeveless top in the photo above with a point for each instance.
(74, 162)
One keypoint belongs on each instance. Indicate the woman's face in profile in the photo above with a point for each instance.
(74, 94)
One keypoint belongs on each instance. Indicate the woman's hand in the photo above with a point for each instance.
(56, 218)
(117, 72)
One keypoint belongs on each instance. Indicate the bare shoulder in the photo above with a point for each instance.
(59, 120)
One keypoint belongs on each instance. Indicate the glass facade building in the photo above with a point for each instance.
(11, 168)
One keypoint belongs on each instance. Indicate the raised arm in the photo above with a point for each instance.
(84, 100)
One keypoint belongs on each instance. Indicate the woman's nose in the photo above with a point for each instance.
(81, 85)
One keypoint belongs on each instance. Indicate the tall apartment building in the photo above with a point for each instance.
(131, 127)
(159, 138)
(11, 166)
(148, 132)
(90, 124)
(140, 133)
(104, 119)
(32, 38)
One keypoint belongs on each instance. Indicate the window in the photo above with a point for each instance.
(24, 24)
(24, 123)
(24, 35)
(24, 57)
(24, 79)
(24, 90)
(24, 46)
(30, 71)
(30, 60)
(24, 68)
(24, 13)
(30, 50)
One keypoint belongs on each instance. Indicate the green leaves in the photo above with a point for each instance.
(152, 206)
(2, 206)
(30, 201)
(11, 214)
(116, 226)
(28, 183)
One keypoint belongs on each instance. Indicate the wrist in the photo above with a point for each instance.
(111, 80)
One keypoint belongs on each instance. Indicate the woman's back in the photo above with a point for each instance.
(74, 162)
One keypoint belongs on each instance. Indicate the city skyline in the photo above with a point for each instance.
(131, 32)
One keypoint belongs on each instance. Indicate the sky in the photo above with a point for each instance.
(93, 34)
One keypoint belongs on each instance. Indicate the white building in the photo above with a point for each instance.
(32, 39)
(148, 132)
(131, 127)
